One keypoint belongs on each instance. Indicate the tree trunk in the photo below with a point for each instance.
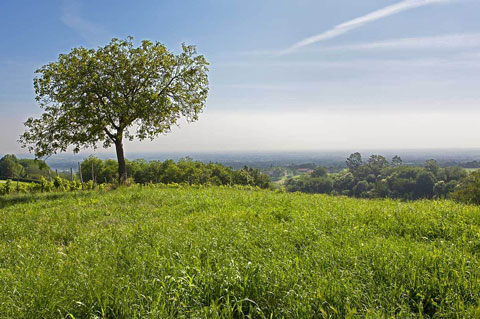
(122, 167)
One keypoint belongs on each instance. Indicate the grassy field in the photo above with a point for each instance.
(233, 253)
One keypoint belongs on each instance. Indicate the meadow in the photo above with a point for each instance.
(235, 252)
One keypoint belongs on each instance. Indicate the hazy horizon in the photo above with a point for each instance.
(265, 159)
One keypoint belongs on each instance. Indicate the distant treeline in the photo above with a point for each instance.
(377, 177)
(373, 178)
(184, 171)
(140, 171)
(103, 173)
(470, 164)
(24, 168)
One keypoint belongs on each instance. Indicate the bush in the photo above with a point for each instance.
(6, 187)
(319, 172)
(313, 185)
(360, 190)
(469, 190)
(424, 183)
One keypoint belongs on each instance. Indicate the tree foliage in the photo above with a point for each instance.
(397, 161)
(12, 167)
(185, 170)
(9, 166)
(469, 189)
(118, 91)
(378, 178)
(354, 161)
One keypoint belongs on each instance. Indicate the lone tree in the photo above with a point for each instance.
(113, 93)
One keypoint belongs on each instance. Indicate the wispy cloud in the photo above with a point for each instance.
(462, 61)
(360, 21)
(447, 41)
(438, 42)
(92, 33)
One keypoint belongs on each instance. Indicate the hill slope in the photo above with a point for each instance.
(227, 252)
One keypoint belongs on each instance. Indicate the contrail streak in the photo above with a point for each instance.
(360, 21)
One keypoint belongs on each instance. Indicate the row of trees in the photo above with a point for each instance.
(106, 171)
(184, 171)
(14, 168)
(95, 171)
(377, 177)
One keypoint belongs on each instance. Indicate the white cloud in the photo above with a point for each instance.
(360, 21)
(448, 41)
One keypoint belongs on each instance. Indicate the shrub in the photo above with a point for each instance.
(469, 190)
(7, 187)
(360, 190)
(319, 172)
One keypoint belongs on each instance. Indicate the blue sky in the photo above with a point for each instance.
(285, 75)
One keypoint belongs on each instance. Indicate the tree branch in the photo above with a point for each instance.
(110, 135)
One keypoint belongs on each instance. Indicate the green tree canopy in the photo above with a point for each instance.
(118, 91)
(397, 161)
(376, 163)
(319, 172)
(354, 161)
(9, 166)
(33, 168)
(432, 166)
(425, 183)
(469, 189)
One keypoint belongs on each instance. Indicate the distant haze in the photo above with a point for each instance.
(308, 130)
(265, 159)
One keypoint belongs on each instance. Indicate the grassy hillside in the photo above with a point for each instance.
(229, 252)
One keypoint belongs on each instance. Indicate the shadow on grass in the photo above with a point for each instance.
(9, 200)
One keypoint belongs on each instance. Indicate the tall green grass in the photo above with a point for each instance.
(221, 252)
